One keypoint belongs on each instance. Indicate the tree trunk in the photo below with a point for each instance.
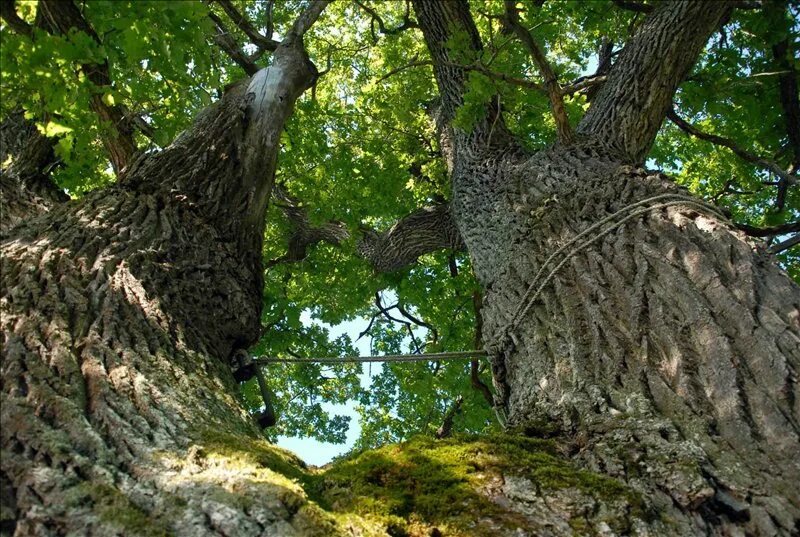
(666, 350)
(651, 337)
(120, 313)
(24, 181)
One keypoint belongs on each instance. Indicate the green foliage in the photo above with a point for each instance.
(360, 148)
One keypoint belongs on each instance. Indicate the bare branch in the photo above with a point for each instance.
(730, 144)
(425, 230)
(474, 371)
(270, 18)
(419, 322)
(385, 312)
(225, 41)
(554, 92)
(303, 234)
(785, 245)
(376, 19)
(583, 83)
(446, 428)
(244, 24)
(792, 227)
(307, 18)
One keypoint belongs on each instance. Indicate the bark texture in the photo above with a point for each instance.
(632, 104)
(665, 353)
(120, 313)
(25, 184)
(425, 230)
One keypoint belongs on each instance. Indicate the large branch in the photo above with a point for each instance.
(424, 231)
(60, 17)
(632, 104)
(442, 24)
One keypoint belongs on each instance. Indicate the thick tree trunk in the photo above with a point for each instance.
(119, 315)
(662, 351)
(666, 351)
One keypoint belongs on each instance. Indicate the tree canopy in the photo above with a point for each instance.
(360, 152)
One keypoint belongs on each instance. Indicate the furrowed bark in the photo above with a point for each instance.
(630, 107)
(426, 230)
(25, 186)
(120, 313)
(663, 353)
(443, 20)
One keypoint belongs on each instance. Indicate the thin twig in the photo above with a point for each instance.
(772, 166)
(244, 24)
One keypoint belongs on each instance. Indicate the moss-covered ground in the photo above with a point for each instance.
(425, 486)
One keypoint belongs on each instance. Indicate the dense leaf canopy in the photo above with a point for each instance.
(361, 150)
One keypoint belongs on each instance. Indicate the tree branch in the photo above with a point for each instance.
(59, 18)
(9, 14)
(376, 19)
(785, 245)
(631, 106)
(790, 105)
(26, 189)
(446, 428)
(225, 41)
(425, 230)
(244, 24)
(303, 234)
(554, 92)
(307, 18)
(419, 322)
(792, 227)
(730, 144)
(474, 371)
(440, 23)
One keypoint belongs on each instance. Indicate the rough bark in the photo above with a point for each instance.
(630, 107)
(425, 230)
(665, 352)
(25, 186)
(303, 234)
(120, 313)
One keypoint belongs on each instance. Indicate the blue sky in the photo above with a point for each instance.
(316, 452)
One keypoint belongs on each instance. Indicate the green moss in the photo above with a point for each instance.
(421, 487)
(258, 453)
(114, 507)
(438, 481)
